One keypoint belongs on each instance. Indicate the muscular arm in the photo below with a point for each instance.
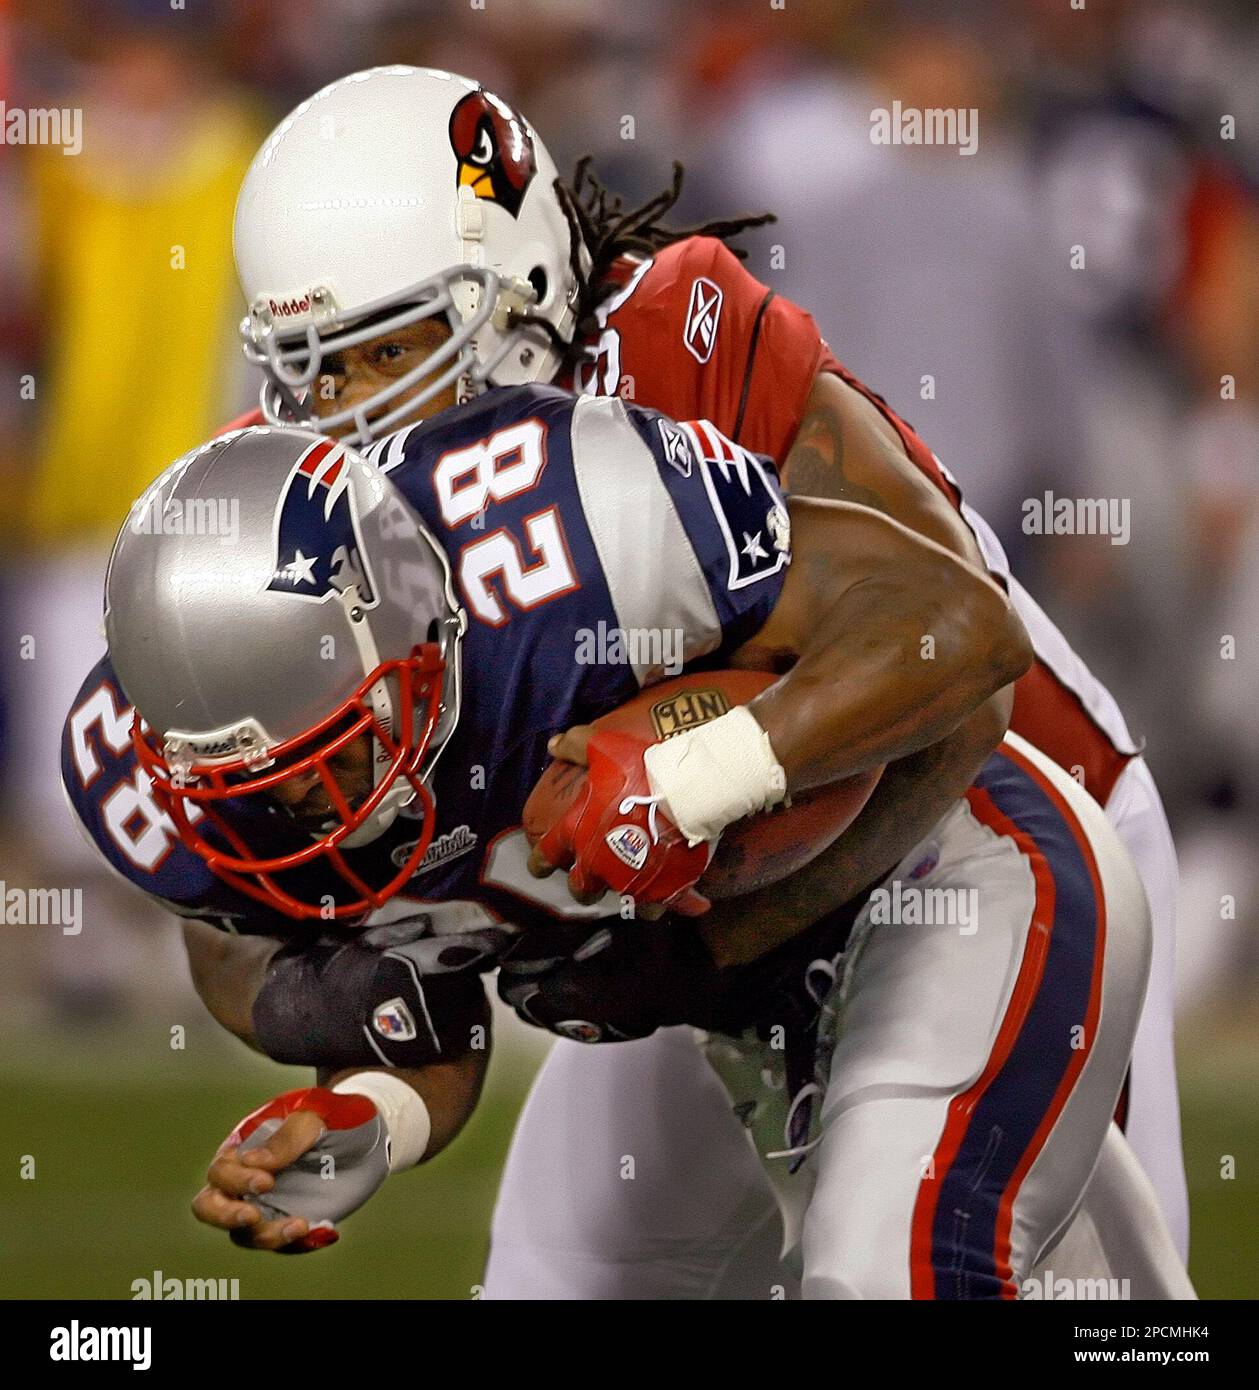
(910, 798)
(845, 450)
(230, 970)
(227, 972)
(895, 641)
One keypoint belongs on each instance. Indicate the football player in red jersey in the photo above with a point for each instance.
(676, 322)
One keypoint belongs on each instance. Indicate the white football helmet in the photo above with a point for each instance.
(390, 196)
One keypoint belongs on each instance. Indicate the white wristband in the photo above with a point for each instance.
(405, 1116)
(715, 774)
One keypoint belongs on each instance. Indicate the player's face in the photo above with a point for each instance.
(306, 798)
(350, 377)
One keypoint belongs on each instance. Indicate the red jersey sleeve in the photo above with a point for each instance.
(786, 352)
(694, 335)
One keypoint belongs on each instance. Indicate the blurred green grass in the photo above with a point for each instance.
(121, 1128)
(1219, 1090)
(121, 1131)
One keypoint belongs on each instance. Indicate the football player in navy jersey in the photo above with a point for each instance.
(339, 728)
(545, 542)
(384, 358)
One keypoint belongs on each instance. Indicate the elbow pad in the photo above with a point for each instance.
(351, 1005)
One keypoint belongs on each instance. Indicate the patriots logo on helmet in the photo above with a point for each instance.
(318, 549)
(494, 149)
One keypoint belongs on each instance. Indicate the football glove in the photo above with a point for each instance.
(614, 833)
(335, 1176)
(623, 982)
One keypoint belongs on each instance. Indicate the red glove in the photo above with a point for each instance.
(614, 833)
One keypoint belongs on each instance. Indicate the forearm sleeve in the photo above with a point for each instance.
(348, 1005)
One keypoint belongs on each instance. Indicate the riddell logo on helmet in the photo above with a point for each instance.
(212, 748)
(289, 308)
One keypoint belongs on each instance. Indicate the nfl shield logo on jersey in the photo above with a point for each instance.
(393, 1020)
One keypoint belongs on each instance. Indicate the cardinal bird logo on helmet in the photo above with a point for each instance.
(318, 549)
(494, 149)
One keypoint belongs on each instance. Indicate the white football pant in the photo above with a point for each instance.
(976, 1040)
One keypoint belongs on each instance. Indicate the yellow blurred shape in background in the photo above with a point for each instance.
(138, 341)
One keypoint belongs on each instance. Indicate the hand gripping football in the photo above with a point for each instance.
(614, 832)
(752, 853)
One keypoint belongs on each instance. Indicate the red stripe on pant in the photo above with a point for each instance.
(961, 1107)
(1080, 1055)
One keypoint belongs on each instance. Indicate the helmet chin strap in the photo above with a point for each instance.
(402, 793)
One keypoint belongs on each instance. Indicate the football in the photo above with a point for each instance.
(754, 852)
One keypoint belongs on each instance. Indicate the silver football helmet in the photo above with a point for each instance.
(271, 598)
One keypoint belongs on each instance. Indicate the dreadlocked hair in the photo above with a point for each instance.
(601, 225)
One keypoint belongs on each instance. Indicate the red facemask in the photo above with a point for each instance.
(194, 793)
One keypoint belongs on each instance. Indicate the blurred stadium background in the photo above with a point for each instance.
(1100, 127)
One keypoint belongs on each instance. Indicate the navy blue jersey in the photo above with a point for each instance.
(596, 547)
